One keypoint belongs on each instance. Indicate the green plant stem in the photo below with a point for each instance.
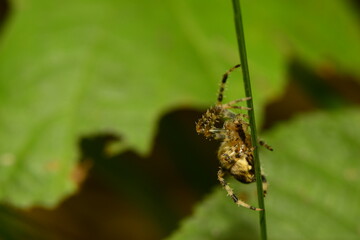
(248, 93)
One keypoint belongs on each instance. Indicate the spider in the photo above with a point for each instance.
(235, 153)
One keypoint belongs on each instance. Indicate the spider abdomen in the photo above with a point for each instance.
(237, 162)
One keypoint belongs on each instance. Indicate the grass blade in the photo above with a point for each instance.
(248, 93)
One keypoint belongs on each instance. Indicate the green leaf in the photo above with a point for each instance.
(314, 192)
(74, 68)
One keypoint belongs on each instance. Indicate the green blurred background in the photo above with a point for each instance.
(98, 103)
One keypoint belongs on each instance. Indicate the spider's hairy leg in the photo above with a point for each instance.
(237, 107)
(232, 103)
(264, 144)
(223, 82)
(264, 184)
(230, 192)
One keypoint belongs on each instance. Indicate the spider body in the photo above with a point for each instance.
(235, 153)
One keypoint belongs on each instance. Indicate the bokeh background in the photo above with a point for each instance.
(98, 103)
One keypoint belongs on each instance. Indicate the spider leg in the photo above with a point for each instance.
(230, 192)
(236, 107)
(264, 144)
(223, 82)
(264, 184)
(241, 115)
(232, 103)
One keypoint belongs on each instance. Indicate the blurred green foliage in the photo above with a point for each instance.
(70, 69)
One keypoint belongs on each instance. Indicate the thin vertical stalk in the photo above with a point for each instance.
(248, 93)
